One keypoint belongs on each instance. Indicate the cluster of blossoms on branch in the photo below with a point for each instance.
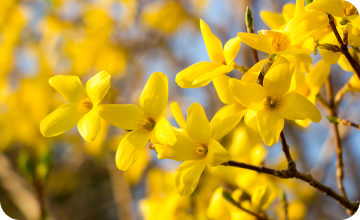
(284, 86)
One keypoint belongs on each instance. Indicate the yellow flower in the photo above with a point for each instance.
(197, 146)
(200, 74)
(144, 122)
(277, 21)
(310, 85)
(82, 107)
(271, 104)
(288, 43)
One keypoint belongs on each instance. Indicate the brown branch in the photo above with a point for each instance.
(288, 174)
(286, 150)
(343, 122)
(323, 102)
(337, 140)
(344, 48)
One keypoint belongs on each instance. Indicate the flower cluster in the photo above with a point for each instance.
(288, 90)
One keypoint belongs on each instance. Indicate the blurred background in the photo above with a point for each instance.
(66, 178)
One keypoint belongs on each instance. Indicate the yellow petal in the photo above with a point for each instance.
(288, 11)
(333, 7)
(258, 42)
(213, 44)
(223, 69)
(183, 149)
(164, 132)
(299, 85)
(355, 20)
(299, 8)
(154, 96)
(186, 77)
(198, 126)
(226, 119)
(251, 76)
(130, 148)
(217, 208)
(187, 176)
(260, 197)
(89, 125)
(179, 117)
(70, 87)
(98, 86)
(250, 120)
(270, 124)
(295, 106)
(231, 49)
(60, 120)
(301, 61)
(304, 25)
(344, 64)
(127, 117)
(217, 154)
(221, 84)
(273, 20)
(317, 76)
(278, 78)
(250, 95)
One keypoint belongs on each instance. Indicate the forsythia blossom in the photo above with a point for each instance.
(82, 107)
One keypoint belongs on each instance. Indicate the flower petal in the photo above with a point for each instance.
(251, 76)
(98, 86)
(179, 117)
(231, 49)
(270, 124)
(221, 84)
(217, 154)
(258, 42)
(130, 148)
(186, 77)
(288, 12)
(154, 96)
(164, 132)
(62, 119)
(278, 78)
(355, 20)
(333, 7)
(328, 55)
(89, 125)
(273, 20)
(304, 25)
(127, 117)
(70, 87)
(250, 120)
(212, 43)
(183, 149)
(250, 95)
(223, 69)
(187, 176)
(198, 126)
(226, 119)
(317, 76)
(295, 106)
(301, 61)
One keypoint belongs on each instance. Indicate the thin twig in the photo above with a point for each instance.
(340, 94)
(339, 157)
(344, 48)
(250, 29)
(343, 122)
(323, 102)
(284, 204)
(286, 150)
(287, 174)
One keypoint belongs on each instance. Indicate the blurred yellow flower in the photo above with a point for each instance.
(81, 109)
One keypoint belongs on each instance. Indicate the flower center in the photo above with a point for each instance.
(147, 124)
(278, 40)
(349, 9)
(201, 150)
(85, 105)
(272, 103)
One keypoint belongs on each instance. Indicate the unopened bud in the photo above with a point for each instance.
(331, 47)
(345, 36)
(249, 21)
(344, 21)
(242, 69)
